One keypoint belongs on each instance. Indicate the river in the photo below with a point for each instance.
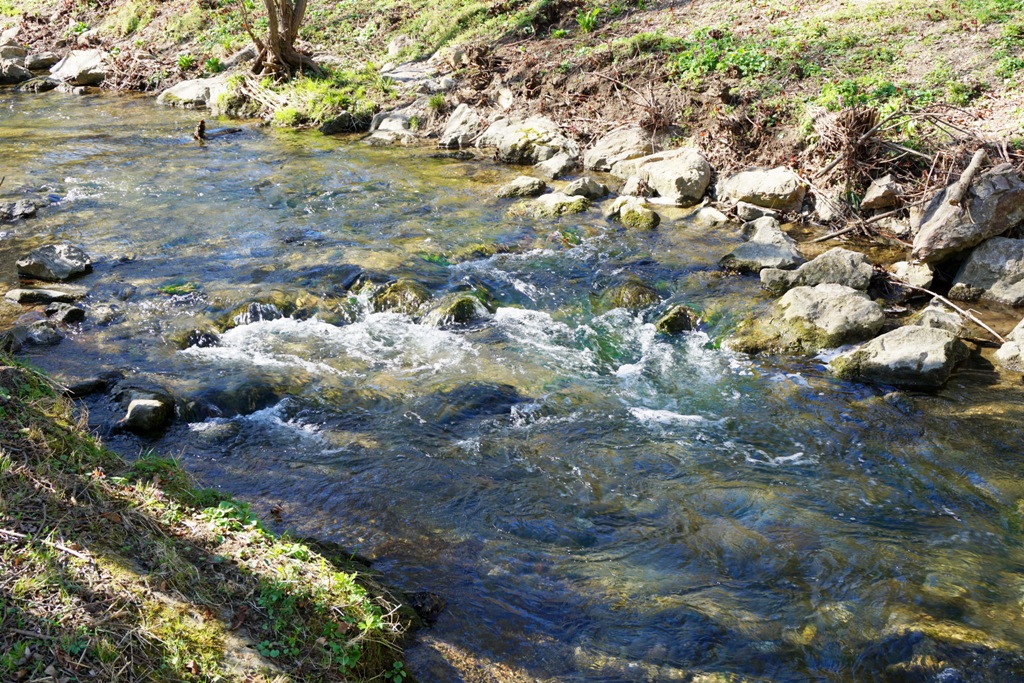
(594, 500)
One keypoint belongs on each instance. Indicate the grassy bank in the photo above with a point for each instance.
(116, 571)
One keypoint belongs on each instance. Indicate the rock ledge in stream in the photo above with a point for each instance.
(838, 266)
(912, 356)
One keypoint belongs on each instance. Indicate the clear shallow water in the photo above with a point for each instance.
(596, 502)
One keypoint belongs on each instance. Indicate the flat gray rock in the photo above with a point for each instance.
(838, 266)
(768, 247)
(54, 262)
(910, 356)
(778, 188)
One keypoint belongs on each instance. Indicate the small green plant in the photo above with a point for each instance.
(415, 122)
(185, 62)
(587, 20)
(178, 288)
(437, 103)
(559, 33)
(397, 673)
(213, 65)
(79, 28)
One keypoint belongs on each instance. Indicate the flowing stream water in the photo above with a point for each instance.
(595, 501)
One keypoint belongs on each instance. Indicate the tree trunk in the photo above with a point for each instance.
(278, 53)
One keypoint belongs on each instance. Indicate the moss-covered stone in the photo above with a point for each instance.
(401, 296)
(679, 318)
(630, 293)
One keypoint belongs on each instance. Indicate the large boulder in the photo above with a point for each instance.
(12, 73)
(679, 176)
(913, 356)
(619, 145)
(199, 93)
(463, 126)
(55, 262)
(1011, 354)
(526, 141)
(993, 205)
(768, 247)
(839, 266)
(994, 272)
(777, 188)
(809, 319)
(81, 67)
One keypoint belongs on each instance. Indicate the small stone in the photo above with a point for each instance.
(777, 188)
(883, 193)
(65, 313)
(678, 319)
(28, 297)
(940, 318)
(558, 204)
(557, 166)
(768, 247)
(633, 213)
(914, 274)
(147, 416)
(41, 61)
(751, 212)
(586, 187)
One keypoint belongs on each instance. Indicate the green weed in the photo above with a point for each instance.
(587, 19)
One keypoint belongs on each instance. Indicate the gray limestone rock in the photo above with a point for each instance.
(777, 188)
(768, 247)
(994, 272)
(619, 145)
(912, 356)
(838, 265)
(523, 186)
(55, 262)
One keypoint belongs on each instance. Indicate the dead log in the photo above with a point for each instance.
(959, 189)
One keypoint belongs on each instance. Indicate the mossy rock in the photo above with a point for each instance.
(401, 296)
(457, 308)
(630, 293)
(678, 319)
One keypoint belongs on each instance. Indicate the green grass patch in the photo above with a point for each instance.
(121, 571)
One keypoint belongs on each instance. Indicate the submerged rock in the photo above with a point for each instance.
(912, 356)
(993, 205)
(994, 272)
(778, 188)
(55, 262)
(64, 313)
(809, 319)
(619, 145)
(629, 292)
(523, 186)
(402, 296)
(838, 266)
(768, 247)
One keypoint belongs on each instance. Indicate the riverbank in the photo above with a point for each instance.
(112, 570)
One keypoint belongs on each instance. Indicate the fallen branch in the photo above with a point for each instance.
(52, 544)
(966, 314)
(960, 188)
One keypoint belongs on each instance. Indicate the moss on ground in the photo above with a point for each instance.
(118, 571)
